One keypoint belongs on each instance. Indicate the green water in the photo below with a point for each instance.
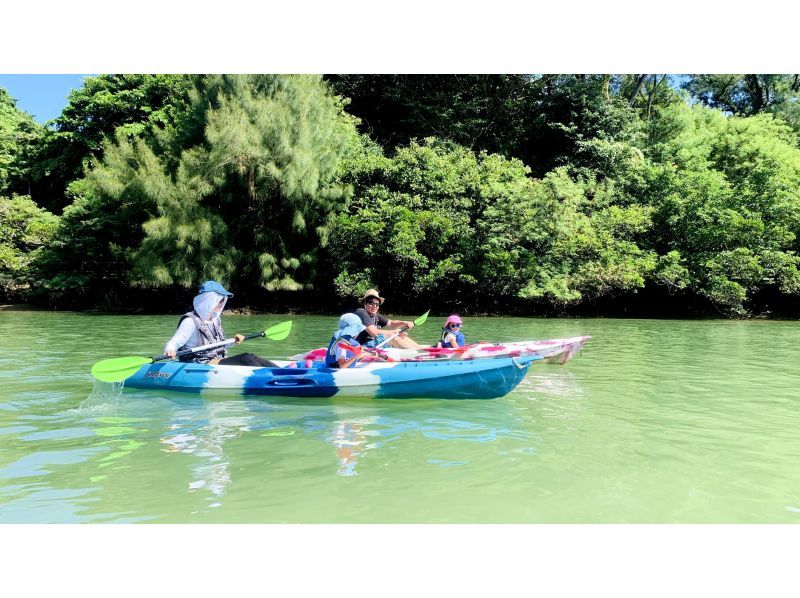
(655, 421)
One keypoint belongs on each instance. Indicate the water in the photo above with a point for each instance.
(654, 422)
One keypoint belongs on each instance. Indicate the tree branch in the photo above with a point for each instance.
(636, 89)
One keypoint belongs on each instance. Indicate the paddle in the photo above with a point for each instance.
(350, 348)
(119, 368)
(418, 322)
(359, 349)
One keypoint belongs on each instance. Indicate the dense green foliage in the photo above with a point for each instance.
(18, 132)
(24, 230)
(476, 192)
(441, 221)
(239, 186)
(130, 104)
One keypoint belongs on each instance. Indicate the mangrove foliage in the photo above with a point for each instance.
(646, 194)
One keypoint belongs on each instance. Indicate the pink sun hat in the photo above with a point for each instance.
(454, 319)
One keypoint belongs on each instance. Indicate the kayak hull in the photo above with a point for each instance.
(463, 379)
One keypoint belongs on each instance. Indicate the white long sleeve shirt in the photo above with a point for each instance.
(186, 334)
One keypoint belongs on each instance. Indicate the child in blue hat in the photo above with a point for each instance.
(350, 326)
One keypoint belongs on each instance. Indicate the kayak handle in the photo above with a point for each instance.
(291, 381)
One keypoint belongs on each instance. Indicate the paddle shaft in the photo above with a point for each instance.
(394, 336)
(208, 347)
(418, 322)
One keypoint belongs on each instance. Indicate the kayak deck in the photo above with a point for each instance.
(559, 350)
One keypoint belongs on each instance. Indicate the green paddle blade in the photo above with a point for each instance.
(279, 331)
(421, 320)
(119, 368)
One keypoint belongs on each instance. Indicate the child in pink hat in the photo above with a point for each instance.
(452, 337)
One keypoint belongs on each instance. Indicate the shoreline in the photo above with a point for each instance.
(248, 311)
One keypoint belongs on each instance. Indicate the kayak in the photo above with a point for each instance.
(460, 379)
(557, 350)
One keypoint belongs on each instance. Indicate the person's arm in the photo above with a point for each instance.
(345, 362)
(181, 337)
(343, 358)
(373, 330)
(395, 324)
(451, 338)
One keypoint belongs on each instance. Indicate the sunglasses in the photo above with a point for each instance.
(374, 303)
(455, 325)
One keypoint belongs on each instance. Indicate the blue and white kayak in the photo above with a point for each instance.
(467, 379)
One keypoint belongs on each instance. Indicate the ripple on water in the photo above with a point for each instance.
(655, 421)
(35, 464)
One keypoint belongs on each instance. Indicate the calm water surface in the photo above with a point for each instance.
(655, 421)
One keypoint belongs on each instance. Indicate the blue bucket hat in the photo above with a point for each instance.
(213, 285)
(349, 324)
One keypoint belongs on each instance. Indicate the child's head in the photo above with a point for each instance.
(453, 322)
(350, 325)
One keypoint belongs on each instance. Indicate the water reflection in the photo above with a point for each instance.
(201, 430)
(433, 424)
(121, 438)
(551, 382)
(350, 441)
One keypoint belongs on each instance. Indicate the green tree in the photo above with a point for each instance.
(481, 112)
(744, 95)
(564, 239)
(748, 95)
(18, 130)
(410, 224)
(25, 229)
(546, 120)
(727, 203)
(88, 261)
(441, 222)
(239, 187)
(135, 104)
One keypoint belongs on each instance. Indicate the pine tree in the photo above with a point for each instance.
(243, 187)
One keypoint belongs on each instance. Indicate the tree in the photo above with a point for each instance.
(545, 120)
(577, 121)
(567, 239)
(410, 225)
(17, 131)
(463, 229)
(727, 205)
(744, 95)
(481, 112)
(240, 187)
(135, 104)
(24, 230)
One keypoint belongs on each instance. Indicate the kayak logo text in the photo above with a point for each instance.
(157, 375)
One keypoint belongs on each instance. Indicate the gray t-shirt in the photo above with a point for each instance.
(379, 320)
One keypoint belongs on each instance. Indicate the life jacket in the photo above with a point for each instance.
(330, 354)
(209, 332)
(460, 340)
